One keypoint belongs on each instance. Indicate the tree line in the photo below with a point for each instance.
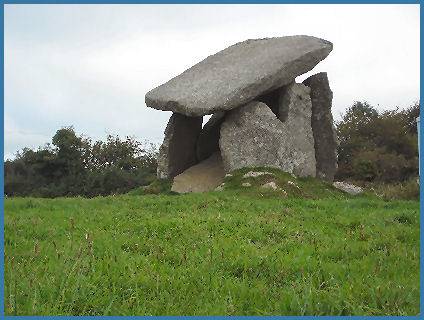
(373, 147)
(74, 165)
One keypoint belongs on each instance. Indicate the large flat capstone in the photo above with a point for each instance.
(325, 136)
(178, 150)
(238, 74)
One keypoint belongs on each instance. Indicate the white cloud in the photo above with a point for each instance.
(20, 138)
(91, 65)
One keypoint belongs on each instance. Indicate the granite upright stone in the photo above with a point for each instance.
(325, 137)
(178, 150)
(295, 109)
(253, 136)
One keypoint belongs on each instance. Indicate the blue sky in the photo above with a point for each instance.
(90, 65)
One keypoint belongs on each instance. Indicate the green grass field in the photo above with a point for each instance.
(236, 252)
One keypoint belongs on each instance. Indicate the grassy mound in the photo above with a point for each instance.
(289, 185)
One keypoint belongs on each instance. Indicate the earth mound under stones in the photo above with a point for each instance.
(260, 116)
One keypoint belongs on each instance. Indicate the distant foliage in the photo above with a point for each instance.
(378, 146)
(374, 146)
(74, 165)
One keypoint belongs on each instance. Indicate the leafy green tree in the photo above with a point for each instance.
(74, 165)
(378, 146)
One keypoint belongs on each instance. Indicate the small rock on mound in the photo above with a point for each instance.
(273, 186)
(270, 185)
(221, 187)
(202, 177)
(293, 184)
(254, 174)
(348, 188)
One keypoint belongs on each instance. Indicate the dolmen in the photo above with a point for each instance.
(260, 116)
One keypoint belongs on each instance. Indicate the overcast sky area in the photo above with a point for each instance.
(90, 66)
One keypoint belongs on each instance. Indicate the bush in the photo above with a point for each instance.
(73, 165)
(380, 147)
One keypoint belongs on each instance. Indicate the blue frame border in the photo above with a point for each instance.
(213, 2)
(421, 167)
(421, 159)
(2, 166)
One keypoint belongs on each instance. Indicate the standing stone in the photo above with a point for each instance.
(208, 142)
(253, 136)
(295, 109)
(178, 150)
(322, 126)
(239, 74)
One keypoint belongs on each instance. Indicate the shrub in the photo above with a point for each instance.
(380, 147)
(73, 165)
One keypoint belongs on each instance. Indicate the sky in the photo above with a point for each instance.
(89, 66)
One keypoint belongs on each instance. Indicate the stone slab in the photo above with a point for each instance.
(202, 177)
(323, 129)
(178, 150)
(238, 74)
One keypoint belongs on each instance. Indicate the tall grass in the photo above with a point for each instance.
(219, 253)
(408, 190)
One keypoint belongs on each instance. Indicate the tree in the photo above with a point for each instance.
(377, 146)
(73, 165)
